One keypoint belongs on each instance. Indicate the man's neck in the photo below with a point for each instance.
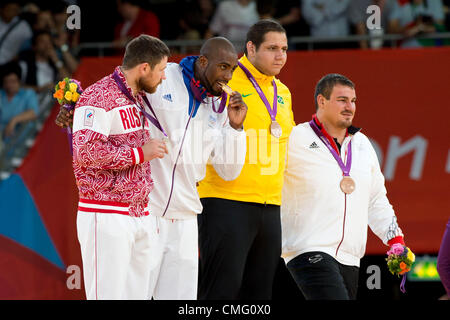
(131, 80)
(41, 57)
(196, 70)
(333, 131)
(252, 61)
(10, 95)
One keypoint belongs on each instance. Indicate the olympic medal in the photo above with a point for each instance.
(275, 129)
(347, 185)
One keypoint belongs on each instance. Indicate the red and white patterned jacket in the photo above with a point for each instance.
(108, 133)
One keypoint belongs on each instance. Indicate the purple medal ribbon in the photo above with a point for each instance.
(402, 284)
(125, 91)
(344, 167)
(223, 100)
(69, 107)
(272, 111)
(198, 96)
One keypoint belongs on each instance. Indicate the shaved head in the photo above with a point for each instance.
(216, 63)
(214, 45)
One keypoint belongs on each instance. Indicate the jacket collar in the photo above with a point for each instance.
(259, 76)
(187, 66)
(333, 141)
(118, 69)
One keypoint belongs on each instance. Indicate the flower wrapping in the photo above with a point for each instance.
(67, 93)
(399, 261)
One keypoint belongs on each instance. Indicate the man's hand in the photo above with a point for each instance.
(64, 118)
(237, 110)
(154, 149)
(10, 128)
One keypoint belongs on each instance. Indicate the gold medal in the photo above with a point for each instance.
(275, 129)
(347, 185)
(227, 89)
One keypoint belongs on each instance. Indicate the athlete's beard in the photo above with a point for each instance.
(344, 124)
(147, 88)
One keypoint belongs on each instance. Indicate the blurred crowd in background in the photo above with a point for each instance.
(37, 49)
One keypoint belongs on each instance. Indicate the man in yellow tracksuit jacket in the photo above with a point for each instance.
(239, 228)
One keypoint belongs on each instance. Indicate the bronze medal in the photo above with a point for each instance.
(275, 129)
(347, 185)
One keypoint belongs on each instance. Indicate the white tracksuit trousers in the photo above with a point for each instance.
(117, 252)
(175, 274)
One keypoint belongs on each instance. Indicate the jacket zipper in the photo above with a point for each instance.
(343, 224)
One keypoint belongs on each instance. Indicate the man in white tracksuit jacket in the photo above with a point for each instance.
(187, 105)
(327, 206)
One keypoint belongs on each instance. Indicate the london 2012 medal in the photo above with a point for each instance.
(347, 185)
(275, 129)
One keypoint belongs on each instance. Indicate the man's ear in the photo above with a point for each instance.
(251, 48)
(144, 68)
(203, 61)
(320, 101)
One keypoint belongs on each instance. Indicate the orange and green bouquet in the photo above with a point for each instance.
(67, 92)
(399, 261)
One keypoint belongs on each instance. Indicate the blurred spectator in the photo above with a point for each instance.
(358, 18)
(232, 19)
(446, 4)
(54, 22)
(41, 67)
(195, 19)
(44, 21)
(418, 17)
(14, 31)
(17, 105)
(266, 9)
(60, 16)
(327, 19)
(288, 14)
(136, 21)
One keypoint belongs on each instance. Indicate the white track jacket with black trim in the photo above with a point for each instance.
(208, 137)
(316, 215)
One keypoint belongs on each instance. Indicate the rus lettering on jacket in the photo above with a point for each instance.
(131, 118)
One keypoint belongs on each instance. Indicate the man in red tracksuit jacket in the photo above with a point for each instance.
(112, 148)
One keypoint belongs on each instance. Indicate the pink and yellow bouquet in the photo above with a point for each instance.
(67, 92)
(399, 261)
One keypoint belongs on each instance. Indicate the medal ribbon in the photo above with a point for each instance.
(153, 119)
(344, 167)
(198, 95)
(272, 111)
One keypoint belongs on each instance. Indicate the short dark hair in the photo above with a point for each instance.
(326, 84)
(8, 69)
(257, 32)
(37, 34)
(144, 49)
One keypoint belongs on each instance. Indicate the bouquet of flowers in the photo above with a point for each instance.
(399, 261)
(67, 92)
